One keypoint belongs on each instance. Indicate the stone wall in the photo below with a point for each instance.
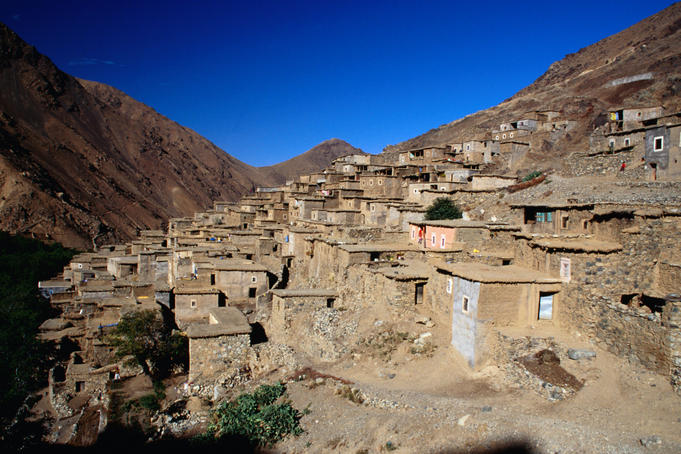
(211, 356)
(600, 300)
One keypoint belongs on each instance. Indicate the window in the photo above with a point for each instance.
(611, 143)
(442, 241)
(627, 142)
(371, 182)
(433, 240)
(468, 147)
(510, 135)
(503, 136)
(380, 182)
(413, 233)
(284, 217)
(251, 292)
(373, 208)
(496, 137)
(564, 222)
(254, 279)
(464, 304)
(449, 285)
(544, 216)
(193, 303)
(658, 143)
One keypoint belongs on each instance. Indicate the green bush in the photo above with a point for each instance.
(531, 175)
(256, 417)
(442, 208)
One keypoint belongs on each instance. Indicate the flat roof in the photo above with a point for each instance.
(222, 321)
(509, 274)
(300, 292)
(577, 244)
(390, 247)
(460, 223)
(189, 289)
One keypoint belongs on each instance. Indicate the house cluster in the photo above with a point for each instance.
(650, 134)
(354, 235)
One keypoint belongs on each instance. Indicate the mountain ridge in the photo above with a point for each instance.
(83, 163)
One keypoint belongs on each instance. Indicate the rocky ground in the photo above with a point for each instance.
(403, 389)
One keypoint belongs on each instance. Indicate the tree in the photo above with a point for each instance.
(145, 336)
(443, 208)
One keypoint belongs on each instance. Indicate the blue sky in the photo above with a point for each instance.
(267, 80)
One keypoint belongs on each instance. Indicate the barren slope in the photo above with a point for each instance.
(312, 160)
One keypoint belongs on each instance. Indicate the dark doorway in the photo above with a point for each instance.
(418, 298)
(329, 302)
(251, 292)
(212, 279)
(258, 335)
(652, 303)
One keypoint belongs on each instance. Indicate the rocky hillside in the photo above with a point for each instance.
(312, 160)
(585, 84)
(83, 163)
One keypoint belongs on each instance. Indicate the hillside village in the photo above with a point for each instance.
(308, 273)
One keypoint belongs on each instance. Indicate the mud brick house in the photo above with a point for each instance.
(623, 119)
(239, 279)
(486, 298)
(193, 302)
(288, 303)
(555, 217)
(217, 344)
(490, 181)
(663, 150)
(398, 286)
(450, 234)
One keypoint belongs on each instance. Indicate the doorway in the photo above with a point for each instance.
(545, 306)
(418, 297)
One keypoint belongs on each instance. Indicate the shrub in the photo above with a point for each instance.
(256, 417)
(532, 175)
(443, 208)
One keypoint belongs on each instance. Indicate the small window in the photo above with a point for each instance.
(510, 135)
(503, 136)
(329, 302)
(496, 137)
(371, 182)
(285, 217)
(251, 292)
(433, 240)
(373, 208)
(413, 233)
(193, 303)
(611, 143)
(468, 147)
(627, 142)
(564, 221)
(449, 285)
(464, 304)
(380, 182)
(658, 143)
(442, 241)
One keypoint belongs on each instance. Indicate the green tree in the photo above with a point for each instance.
(443, 208)
(150, 341)
(25, 359)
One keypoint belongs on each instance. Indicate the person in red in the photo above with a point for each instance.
(623, 166)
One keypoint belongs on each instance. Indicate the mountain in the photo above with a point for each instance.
(640, 66)
(82, 163)
(312, 160)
